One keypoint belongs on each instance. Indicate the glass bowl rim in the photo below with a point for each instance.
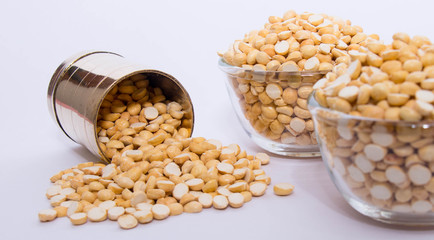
(314, 105)
(230, 69)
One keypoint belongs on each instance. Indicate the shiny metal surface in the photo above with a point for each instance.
(81, 82)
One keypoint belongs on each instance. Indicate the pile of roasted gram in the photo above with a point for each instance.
(156, 170)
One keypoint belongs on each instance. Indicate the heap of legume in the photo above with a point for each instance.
(135, 116)
(392, 82)
(156, 171)
(276, 104)
(389, 164)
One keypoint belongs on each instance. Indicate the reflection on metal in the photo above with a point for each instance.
(80, 84)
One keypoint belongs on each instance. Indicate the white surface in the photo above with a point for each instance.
(181, 38)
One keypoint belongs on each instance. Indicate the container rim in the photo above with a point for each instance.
(234, 70)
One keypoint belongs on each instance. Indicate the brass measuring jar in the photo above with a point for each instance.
(80, 84)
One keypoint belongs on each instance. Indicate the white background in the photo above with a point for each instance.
(181, 38)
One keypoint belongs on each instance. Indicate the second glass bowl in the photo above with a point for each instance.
(384, 169)
(272, 108)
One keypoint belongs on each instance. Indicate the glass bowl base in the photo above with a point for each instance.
(391, 217)
(286, 149)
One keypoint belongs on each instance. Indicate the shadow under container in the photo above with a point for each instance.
(81, 83)
(272, 108)
(384, 169)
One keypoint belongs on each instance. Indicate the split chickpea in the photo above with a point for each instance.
(283, 189)
(193, 174)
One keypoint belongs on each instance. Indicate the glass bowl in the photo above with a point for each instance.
(272, 108)
(384, 169)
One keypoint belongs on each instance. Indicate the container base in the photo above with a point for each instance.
(391, 217)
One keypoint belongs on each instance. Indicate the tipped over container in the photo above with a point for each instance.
(80, 84)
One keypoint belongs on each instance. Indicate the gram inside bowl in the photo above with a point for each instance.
(272, 108)
(384, 169)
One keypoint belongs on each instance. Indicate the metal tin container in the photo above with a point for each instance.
(81, 82)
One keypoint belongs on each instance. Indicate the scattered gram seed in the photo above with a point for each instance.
(193, 207)
(263, 157)
(206, 200)
(61, 211)
(247, 196)
(78, 218)
(47, 215)
(143, 216)
(160, 211)
(258, 189)
(225, 168)
(283, 189)
(127, 221)
(115, 212)
(176, 209)
(236, 200)
(220, 202)
(180, 190)
(97, 214)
